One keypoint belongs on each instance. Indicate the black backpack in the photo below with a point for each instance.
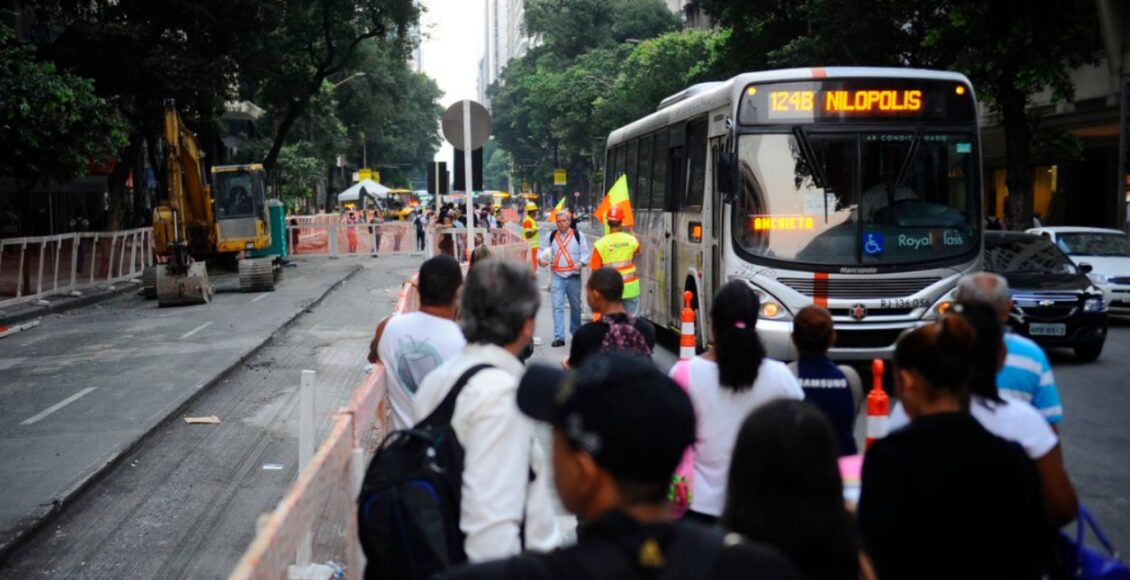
(408, 510)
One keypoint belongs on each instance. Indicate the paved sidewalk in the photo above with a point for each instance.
(84, 388)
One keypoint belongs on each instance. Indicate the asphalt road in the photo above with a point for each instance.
(184, 502)
(1096, 431)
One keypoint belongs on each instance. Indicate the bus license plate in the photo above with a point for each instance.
(1046, 329)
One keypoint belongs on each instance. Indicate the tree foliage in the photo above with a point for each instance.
(52, 124)
(544, 108)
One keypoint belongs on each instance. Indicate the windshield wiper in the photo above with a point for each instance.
(814, 167)
(911, 155)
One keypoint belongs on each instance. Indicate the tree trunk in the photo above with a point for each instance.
(1018, 138)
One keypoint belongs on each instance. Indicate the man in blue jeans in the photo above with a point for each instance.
(565, 252)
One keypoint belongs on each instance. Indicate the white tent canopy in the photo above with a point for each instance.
(368, 186)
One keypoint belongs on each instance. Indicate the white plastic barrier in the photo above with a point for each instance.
(32, 268)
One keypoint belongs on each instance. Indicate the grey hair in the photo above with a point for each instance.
(985, 287)
(499, 296)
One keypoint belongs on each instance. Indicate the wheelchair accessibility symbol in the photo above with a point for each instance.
(873, 243)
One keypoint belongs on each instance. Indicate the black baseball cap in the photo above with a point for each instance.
(634, 420)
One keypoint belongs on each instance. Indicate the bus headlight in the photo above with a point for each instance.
(771, 308)
(941, 307)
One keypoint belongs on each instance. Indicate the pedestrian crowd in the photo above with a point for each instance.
(725, 467)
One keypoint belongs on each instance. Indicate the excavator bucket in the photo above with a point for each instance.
(191, 288)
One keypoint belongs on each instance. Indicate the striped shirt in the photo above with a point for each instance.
(1027, 376)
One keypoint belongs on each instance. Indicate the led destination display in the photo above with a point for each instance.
(857, 101)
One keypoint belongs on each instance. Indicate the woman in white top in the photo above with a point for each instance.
(1009, 419)
(726, 383)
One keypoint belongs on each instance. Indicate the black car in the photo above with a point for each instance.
(1054, 303)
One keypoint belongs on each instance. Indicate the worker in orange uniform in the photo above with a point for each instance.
(530, 231)
(618, 249)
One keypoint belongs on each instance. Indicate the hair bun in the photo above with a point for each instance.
(956, 335)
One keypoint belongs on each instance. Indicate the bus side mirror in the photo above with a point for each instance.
(726, 174)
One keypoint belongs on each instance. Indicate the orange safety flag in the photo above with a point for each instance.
(618, 197)
(557, 208)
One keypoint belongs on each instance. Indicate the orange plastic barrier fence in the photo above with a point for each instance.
(322, 501)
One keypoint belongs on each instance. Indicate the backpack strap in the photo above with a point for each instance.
(446, 409)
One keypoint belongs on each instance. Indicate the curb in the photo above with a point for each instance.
(36, 523)
(29, 311)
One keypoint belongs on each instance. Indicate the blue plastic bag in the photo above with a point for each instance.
(1087, 563)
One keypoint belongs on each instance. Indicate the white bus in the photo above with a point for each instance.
(857, 189)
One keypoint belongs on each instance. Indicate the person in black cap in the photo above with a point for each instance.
(619, 429)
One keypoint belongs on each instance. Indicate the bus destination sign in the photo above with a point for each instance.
(857, 100)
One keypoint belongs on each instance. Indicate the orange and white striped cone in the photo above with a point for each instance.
(686, 338)
(878, 405)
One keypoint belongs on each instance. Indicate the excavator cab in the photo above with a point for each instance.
(243, 224)
(239, 194)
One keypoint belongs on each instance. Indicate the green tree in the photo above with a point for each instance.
(543, 106)
(54, 126)
(307, 42)
(1008, 64)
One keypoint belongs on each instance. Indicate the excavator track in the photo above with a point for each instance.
(149, 282)
(257, 274)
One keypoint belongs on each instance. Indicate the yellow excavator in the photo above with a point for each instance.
(192, 226)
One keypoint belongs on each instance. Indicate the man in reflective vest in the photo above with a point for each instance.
(618, 250)
(565, 253)
(530, 232)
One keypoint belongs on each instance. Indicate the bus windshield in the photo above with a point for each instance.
(886, 197)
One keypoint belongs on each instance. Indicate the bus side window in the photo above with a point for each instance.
(676, 184)
(633, 160)
(610, 169)
(659, 172)
(696, 164)
(641, 191)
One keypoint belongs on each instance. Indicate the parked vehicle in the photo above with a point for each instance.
(1054, 302)
(1106, 251)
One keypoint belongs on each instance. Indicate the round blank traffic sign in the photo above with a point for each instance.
(453, 125)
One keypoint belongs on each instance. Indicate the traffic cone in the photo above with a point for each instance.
(686, 339)
(878, 405)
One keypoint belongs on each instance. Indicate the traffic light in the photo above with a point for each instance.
(438, 170)
(476, 173)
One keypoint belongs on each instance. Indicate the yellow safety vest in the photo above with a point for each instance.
(617, 251)
(530, 231)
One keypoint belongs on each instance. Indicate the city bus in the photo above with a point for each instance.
(856, 189)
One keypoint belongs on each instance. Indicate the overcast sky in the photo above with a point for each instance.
(451, 48)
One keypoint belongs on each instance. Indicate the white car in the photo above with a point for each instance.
(1106, 251)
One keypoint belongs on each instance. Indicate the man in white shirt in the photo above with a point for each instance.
(411, 345)
(505, 474)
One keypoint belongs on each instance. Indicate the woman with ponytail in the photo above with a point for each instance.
(943, 497)
(725, 384)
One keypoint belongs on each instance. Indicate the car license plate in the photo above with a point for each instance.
(1047, 329)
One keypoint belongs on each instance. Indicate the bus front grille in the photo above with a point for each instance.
(861, 288)
(864, 338)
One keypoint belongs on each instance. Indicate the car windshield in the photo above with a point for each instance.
(1033, 256)
(1094, 244)
(858, 198)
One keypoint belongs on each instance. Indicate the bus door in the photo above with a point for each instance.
(670, 283)
(712, 238)
(688, 217)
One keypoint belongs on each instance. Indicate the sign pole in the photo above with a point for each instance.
(468, 176)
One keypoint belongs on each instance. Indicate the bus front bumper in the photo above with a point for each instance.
(854, 342)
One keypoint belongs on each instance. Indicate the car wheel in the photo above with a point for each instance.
(1089, 352)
